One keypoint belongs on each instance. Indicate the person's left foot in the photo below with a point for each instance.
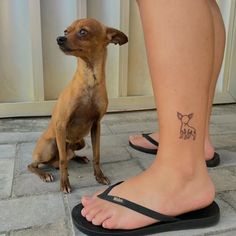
(147, 144)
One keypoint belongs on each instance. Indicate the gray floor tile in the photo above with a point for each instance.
(227, 157)
(80, 175)
(23, 124)
(7, 151)
(18, 137)
(224, 178)
(118, 171)
(136, 116)
(25, 156)
(221, 141)
(31, 211)
(57, 229)
(230, 198)
(135, 127)
(105, 130)
(6, 177)
(223, 119)
(107, 154)
(28, 184)
(227, 233)
(143, 159)
(224, 109)
(121, 170)
(112, 140)
(223, 128)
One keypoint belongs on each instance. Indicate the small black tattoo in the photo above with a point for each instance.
(186, 131)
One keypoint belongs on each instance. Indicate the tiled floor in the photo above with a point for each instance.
(29, 206)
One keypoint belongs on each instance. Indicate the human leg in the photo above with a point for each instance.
(179, 40)
(219, 42)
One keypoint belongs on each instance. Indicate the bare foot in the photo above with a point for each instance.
(139, 140)
(159, 188)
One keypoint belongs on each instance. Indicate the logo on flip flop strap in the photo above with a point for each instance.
(117, 199)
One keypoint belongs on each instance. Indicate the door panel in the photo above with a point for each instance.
(58, 69)
(15, 52)
(33, 71)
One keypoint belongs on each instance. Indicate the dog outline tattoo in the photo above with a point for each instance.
(186, 131)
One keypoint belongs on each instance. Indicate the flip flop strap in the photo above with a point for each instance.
(133, 206)
(150, 139)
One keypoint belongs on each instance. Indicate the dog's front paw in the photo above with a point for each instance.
(65, 185)
(102, 179)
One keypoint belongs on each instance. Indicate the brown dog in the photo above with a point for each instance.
(81, 105)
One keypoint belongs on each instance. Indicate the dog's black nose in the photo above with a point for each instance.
(61, 40)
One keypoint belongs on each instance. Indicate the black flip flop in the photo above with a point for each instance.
(215, 161)
(205, 217)
(146, 150)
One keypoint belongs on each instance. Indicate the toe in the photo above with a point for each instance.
(109, 223)
(91, 213)
(85, 200)
(101, 216)
(91, 209)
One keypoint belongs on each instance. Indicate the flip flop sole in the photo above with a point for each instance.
(196, 219)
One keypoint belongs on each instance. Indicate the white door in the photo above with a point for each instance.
(33, 71)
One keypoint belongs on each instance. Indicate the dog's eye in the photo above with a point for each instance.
(65, 32)
(82, 32)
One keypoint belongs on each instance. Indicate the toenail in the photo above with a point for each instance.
(83, 212)
(88, 218)
(94, 221)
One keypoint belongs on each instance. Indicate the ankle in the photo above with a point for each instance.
(185, 168)
(192, 184)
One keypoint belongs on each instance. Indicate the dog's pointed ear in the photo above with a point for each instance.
(179, 115)
(190, 116)
(115, 36)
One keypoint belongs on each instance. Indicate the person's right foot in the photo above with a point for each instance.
(150, 189)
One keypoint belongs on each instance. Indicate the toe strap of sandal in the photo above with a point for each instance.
(133, 206)
(150, 139)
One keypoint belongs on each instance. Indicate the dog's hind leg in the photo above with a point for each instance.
(79, 146)
(34, 168)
